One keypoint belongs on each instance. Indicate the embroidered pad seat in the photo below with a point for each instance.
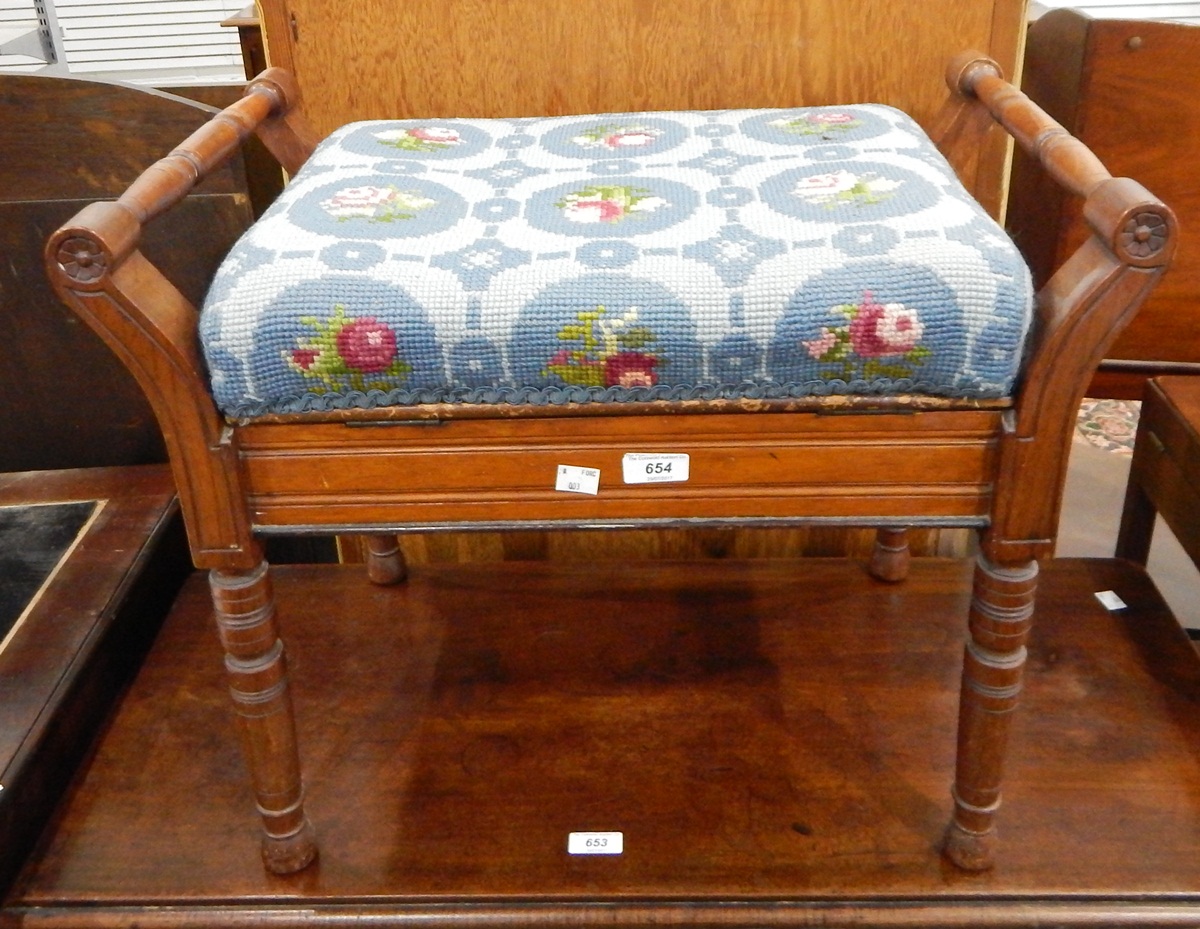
(666, 256)
(582, 291)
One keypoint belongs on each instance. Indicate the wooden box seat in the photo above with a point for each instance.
(760, 254)
(441, 315)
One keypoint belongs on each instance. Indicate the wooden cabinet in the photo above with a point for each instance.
(379, 59)
(67, 400)
(1127, 89)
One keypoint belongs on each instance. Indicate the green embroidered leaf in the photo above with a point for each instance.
(638, 337)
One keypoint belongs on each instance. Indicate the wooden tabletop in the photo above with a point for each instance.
(82, 636)
(774, 739)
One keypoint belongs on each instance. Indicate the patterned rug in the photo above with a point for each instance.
(1109, 424)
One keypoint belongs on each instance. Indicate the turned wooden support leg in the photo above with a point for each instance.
(385, 560)
(1001, 614)
(890, 558)
(245, 612)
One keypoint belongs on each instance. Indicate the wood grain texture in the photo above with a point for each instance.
(80, 644)
(776, 466)
(1127, 89)
(377, 59)
(774, 739)
(67, 401)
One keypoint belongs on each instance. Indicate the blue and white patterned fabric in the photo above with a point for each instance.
(615, 258)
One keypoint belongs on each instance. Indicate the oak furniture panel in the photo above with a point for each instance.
(376, 59)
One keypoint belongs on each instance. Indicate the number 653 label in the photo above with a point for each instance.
(638, 468)
(595, 843)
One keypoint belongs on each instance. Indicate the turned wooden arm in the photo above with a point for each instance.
(1082, 308)
(1135, 224)
(1132, 231)
(96, 268)
(268, 107)
(105, 233)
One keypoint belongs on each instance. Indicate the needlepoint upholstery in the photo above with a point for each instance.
(617, 258)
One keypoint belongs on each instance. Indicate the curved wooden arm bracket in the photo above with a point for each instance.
(1081, 310)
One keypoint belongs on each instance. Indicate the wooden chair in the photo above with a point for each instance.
(995, 464)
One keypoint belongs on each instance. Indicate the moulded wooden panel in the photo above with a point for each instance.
(67, 400)
(377, 59)
(59, 138)
(741, 466)
(1142, 117)
(1127, 89)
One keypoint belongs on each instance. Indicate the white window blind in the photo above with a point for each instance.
(146, 41)
(1160, 10)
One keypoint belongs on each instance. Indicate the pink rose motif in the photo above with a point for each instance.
(884, 329)
(830, 119)
(824, 184)
(304, 357)
(630, 139)
(630, 369)
(437, 135)
(357, 201)
(594, 211)
(819, 346)
(366, 344)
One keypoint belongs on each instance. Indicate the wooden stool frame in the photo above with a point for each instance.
(997, 466)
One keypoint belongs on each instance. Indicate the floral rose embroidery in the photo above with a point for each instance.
(345, 353)
(821, 346)
(888, 329)
(608, 204)
(821, 123)
(605, 352)
(877, 341)
(375, 204)
(366, 344)
(420, 139)
(630, 369)
(615, 138)
(844, 187)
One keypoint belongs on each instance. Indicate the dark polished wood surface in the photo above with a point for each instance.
(778, 733)
(82, 638)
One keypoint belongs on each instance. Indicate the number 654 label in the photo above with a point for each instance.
(638, 468)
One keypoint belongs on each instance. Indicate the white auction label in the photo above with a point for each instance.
(1110, 600)
(595, 843)
(639, 468)
(575, 480)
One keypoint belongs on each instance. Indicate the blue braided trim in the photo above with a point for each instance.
(557, 396)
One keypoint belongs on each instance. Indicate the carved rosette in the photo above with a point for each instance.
(82, 260)
(1143, 236)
